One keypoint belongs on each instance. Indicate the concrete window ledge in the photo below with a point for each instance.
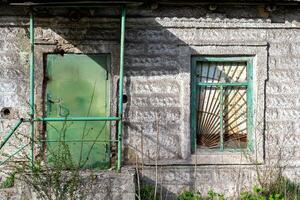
(213, 158)
(241, 157)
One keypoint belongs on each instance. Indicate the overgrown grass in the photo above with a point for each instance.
(58, 179)
(211, 195)
(147, 192)
(278, 189)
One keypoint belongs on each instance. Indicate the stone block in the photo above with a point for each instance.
(280, 127)
(283, 35)
(7, 87)
(286, 75)
(149, 61)
(11, 100)
(282, 87)
(151, 87)
(285, 62)
(154, 101)
(279, 49)
(163, 115)
(288, 114)
(281, 101)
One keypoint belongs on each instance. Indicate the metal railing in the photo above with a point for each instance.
(34, 119)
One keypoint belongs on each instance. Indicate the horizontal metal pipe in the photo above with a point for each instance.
(243, 84)
(79, 4)
(102, 141)
(61, 119)
(12, 155)
(11, 132)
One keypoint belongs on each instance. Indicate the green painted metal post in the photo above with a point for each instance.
(13, 154)
(31, 98)
(221, 119)
(11, 132)
(193, 107)
(121, 74)
(250, 104)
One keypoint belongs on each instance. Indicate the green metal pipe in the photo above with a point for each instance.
(31, 69)
(100, 141)
(59, 119)
(12, 155)
(11, 132)
(82, 4)
(121, 74)
(242, 84)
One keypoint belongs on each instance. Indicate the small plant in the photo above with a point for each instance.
(147, 192)
(187, 195)
(259, 193)
(211, 195)
(9, 181)
(57, 179)
(285, 188)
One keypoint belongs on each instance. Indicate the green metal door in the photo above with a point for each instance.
(77, 85)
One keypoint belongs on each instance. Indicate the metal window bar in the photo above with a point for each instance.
(223, 124)
(32, 100)
(211, 119)
(247, 84)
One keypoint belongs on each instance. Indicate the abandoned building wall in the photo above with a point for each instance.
(105, 185)
(159, 47)
(159, 108)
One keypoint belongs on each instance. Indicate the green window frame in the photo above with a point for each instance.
(221, 86)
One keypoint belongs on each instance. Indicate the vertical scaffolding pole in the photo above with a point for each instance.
(121, 76)
(31, 90)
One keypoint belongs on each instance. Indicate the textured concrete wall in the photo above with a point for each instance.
(159, 46)
(94, 185)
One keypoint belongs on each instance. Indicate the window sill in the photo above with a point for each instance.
(202, 157)
(229, 157)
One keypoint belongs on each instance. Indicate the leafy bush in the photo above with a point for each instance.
(211, 195)
(259, 194)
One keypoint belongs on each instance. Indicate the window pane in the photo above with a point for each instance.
(235, 117)
(208, 118)
(234, 110)
(224, 72)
